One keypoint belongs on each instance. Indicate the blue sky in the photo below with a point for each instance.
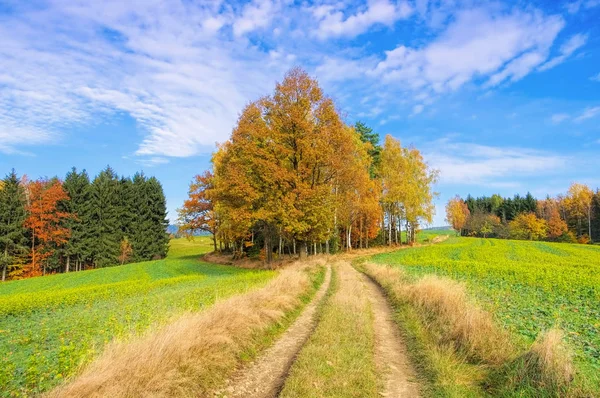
(502, 97)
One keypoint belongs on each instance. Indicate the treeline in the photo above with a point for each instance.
(295, 179)
(50, 225)
(572, 217)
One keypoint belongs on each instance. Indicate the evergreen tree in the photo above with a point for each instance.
(367, 135)
(158, 208)
(13, 238)
(77, 250)
(106, 210)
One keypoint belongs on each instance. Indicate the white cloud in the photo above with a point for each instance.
(559, 118)
(575, 6)
(566, 50)
(479, 43)
(595, 78)
(333, 22)
(417, 109)
(588, 113)
(471, 164)
(256, 15)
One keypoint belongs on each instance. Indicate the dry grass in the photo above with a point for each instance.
(448, 319)
(195, 354)
(460, 322)
(338, 359)
(445, 306)
(549, 362)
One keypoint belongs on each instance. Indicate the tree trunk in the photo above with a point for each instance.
(327, 246)
(68, 264)
(214, 241)
(590, 224)
(5, 263)
(304, 249)
(280, 244)
(350, 238)
(294, 246)
(390, 230)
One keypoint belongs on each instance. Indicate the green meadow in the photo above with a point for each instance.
(51, 326)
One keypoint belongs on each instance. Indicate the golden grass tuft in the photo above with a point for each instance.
(195, 354)
(549, 362)
(459, 321)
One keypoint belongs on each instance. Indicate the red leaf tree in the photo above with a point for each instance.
(45, 223)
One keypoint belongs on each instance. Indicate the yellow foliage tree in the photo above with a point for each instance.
(528, 226)
(457, 213)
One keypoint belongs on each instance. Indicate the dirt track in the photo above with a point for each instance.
(265, 376)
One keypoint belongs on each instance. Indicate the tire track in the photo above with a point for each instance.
(266, 375)
(391, 355)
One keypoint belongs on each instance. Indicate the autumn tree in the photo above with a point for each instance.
(12, 217)
(125, 251)
(528, 226)
(198, 212)
(45, 222)
(457, 213)
(279, 169)
(579, 203)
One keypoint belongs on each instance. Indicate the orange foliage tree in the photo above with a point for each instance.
(457, 213)
(45, 223)
(197, 212)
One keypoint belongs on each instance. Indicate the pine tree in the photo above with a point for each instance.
(158, 210)
(105, 220)
(13, 239)
(77, 249)
(368, 136)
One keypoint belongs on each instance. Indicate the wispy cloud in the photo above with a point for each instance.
(574, 6)
(479, 43)
(588, 113)
(596, 78)
(464, 163)
(333, 22)
(566, 50)
(559, 118)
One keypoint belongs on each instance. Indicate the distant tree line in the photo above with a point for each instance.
(51, 225)
(572, 217)
(294, 179)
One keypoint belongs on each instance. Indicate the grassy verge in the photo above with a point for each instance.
(196, 354)
(337, 360)
(461, 350)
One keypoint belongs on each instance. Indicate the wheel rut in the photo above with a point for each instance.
(391, 357)
(264, 377)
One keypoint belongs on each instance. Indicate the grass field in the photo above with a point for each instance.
(528, 286)
(50, 326)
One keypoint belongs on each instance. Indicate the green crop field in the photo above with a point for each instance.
(50, 326)
(529, 286)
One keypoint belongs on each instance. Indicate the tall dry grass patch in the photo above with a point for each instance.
(195, 354)
(460, 322)
(549, 362)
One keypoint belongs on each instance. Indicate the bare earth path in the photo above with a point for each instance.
(390, 351)
(264, 377)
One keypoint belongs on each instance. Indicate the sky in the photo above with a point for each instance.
(501, 97)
